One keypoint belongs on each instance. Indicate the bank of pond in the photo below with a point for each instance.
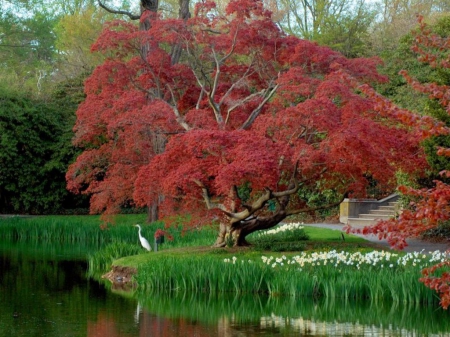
(327, 279)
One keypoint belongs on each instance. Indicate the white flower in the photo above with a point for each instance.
(282, 228)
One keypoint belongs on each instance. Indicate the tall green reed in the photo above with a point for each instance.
(102, 259)
(91, 229)
(68, 229)
(286, 276)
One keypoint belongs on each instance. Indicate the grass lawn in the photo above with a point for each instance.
(319, 239)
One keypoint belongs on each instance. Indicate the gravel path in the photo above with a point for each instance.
(414, 245)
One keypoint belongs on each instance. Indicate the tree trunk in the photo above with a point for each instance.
(221, 238)
(152, 214)
(184, 14)
(240, 230)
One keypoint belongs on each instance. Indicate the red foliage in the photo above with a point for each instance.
(159, 233)
(441, 284)
(241, 107)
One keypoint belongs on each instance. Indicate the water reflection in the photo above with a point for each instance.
(46, 292)
(259, 316)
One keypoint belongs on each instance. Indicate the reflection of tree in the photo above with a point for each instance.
(167, 327)
(103, 326)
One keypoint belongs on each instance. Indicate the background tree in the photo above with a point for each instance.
(342, 25)
(26, 47)
(45, 42)
(396, 18)
(246, 109)
(75, 33)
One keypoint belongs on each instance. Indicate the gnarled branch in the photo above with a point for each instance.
(255, 206)
(236, 216)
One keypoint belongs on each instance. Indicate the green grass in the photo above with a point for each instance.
(280, 239)
(329, 235)
(102, 245)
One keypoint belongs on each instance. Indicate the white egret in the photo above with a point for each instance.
(143, 240)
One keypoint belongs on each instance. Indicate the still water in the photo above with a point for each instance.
(46, 291)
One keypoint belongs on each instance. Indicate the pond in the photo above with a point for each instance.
(46, 291)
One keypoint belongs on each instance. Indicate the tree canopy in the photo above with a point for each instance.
(244, 120)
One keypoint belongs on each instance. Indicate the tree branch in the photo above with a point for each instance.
(236, 217)
(116, 11)
(269, 93)
(236, 83)
(251, 209)
(209, 204)
(212, 93)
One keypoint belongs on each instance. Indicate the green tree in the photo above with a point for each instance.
(26, 49)
(35, 151)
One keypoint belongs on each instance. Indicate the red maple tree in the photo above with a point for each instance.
(244, 108)
(429, 207)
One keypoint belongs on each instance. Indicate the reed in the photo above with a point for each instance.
(179, 237)
(68, 229)
(102, 259)
(374, 276)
